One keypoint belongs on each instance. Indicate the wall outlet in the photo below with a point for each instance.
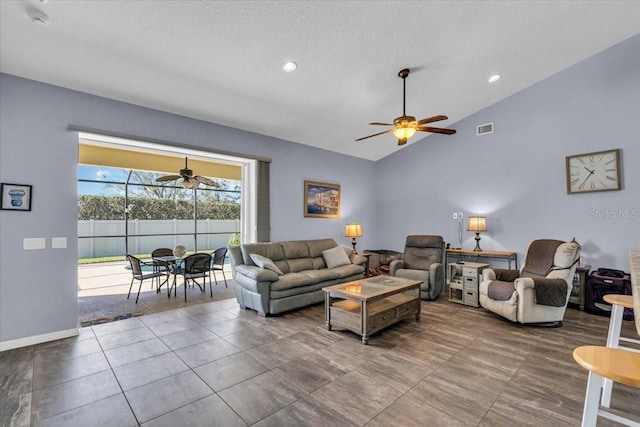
(455, 215)
(460, 216)
(58, 242)
(33, 243)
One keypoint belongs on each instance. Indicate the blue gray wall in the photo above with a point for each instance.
(38, 288)
(516, 176)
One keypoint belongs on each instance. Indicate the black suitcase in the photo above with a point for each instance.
(602, 282)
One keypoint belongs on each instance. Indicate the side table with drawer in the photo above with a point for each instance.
(464, 279)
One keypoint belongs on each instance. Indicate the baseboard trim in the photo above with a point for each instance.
(38, 339)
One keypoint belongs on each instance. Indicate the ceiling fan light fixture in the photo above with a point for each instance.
(189, 184)
(404, 127)
(404, 132)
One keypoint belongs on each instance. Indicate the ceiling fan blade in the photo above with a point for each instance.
(205, 181)
(381, 124)
(436, 130)
(375, 134)
(431, 119)
(168, 178)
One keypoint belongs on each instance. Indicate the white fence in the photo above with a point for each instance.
(92, 244)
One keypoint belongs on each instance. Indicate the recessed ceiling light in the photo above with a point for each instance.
(290, 66)
(494, 78)
(39, 18)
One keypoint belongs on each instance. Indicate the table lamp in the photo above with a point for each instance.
(353, 231)
(477, 224)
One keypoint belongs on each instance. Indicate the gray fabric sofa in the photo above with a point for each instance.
(303, 269)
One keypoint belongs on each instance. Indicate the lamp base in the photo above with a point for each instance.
(353, 243)
(477, 248)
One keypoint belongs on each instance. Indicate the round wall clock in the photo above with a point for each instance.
(597, 171)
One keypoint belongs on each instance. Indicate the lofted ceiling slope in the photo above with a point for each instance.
(221, 61)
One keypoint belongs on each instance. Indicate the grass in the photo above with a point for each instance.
(82, 261)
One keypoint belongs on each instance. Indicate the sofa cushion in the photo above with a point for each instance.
(335, 257)
(318, 263)
(348, 270)
(299, 264)
(264, 262)
(255, 273)
(321, 275)
(273, 251)
(317, 246)
(295, 249)
(292, 280)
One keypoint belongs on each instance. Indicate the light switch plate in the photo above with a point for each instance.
(34, 243)
(58, 242)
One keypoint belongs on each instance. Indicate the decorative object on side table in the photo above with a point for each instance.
(477, 224)
(596, 171)
(15, 197)
(321, 200)
(380, 260)
(353, 230)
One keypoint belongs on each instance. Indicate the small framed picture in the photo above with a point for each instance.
(321, 200)
(15, 197)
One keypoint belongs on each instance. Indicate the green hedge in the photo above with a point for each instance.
(112, 208)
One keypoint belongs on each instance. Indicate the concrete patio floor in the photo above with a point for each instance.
(103, 288)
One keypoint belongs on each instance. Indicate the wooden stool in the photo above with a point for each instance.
(619, 303)
(612, 363)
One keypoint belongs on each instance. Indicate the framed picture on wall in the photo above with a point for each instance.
(321, 200)
(15, 197)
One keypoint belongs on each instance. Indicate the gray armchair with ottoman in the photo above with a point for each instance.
(275, 277)
(423, 259)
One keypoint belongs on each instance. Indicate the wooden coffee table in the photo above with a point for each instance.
(369, 305)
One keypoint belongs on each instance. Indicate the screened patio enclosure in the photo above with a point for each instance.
(123, 209)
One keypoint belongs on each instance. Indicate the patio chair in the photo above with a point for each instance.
(217, 264)
(136, 270)
(195, 267)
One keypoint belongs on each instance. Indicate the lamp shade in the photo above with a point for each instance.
(353, 230)
(477, 223)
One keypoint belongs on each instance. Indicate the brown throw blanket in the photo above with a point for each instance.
(551, 292)
(506, 275)
(499, 290)
(540, 256)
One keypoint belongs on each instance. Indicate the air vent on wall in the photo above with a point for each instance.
(484, 129)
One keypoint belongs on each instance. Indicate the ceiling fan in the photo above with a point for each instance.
(404, 127)
(188, 179)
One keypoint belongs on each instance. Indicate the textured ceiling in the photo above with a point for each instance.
(222, 61)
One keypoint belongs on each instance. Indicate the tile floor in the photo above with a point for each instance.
(215, 364)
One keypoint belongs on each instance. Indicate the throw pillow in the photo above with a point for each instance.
(335, 257)
(347, 250)
(264, 262)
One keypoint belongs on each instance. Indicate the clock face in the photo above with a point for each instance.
(598, 171)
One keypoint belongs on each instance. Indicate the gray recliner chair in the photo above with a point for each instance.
(537, 293)
(423, 259)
